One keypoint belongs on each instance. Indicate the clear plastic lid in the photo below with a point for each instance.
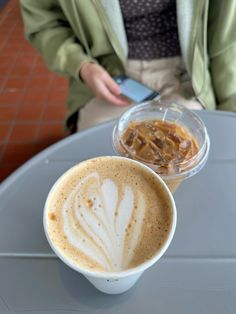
(178, 126)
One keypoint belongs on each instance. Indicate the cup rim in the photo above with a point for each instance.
(125, 273)
(201, 155)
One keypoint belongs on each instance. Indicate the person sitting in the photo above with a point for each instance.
(183, 49)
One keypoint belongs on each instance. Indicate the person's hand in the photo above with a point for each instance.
(102, 84)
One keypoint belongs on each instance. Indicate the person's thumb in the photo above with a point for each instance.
(113, 87)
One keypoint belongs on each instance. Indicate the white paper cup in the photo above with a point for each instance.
(114, 282)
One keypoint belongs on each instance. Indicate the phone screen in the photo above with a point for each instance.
(133, 89)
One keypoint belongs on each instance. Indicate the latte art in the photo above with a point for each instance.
(105, 218)
(98, 220)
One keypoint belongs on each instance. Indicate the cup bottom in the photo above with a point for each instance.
(114, 286)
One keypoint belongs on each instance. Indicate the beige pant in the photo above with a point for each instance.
(167, 76)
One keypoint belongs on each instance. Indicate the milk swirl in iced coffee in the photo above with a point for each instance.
(168, 147)
(108, 215)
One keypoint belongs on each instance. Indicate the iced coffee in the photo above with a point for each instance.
(169, 138)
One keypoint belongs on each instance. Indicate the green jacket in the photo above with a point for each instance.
(70, 32)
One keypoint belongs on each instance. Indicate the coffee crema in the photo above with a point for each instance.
(109, 215)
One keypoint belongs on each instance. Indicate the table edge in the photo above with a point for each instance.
(44, 153)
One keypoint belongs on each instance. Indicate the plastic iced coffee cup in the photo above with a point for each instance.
(137, 135)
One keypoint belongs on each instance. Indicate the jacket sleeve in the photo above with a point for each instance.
(49, 32)
(222, 52)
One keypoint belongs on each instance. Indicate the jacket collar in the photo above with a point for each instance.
(111, 17)
(185, 14)
(187, 17)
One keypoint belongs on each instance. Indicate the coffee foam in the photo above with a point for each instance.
(108, 215)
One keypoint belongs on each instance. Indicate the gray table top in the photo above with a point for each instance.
(196, 275)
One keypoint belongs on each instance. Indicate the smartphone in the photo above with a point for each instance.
(134, 90)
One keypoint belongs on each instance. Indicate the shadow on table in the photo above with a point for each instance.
(88, 297)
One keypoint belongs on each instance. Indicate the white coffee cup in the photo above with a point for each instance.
(115, 282)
